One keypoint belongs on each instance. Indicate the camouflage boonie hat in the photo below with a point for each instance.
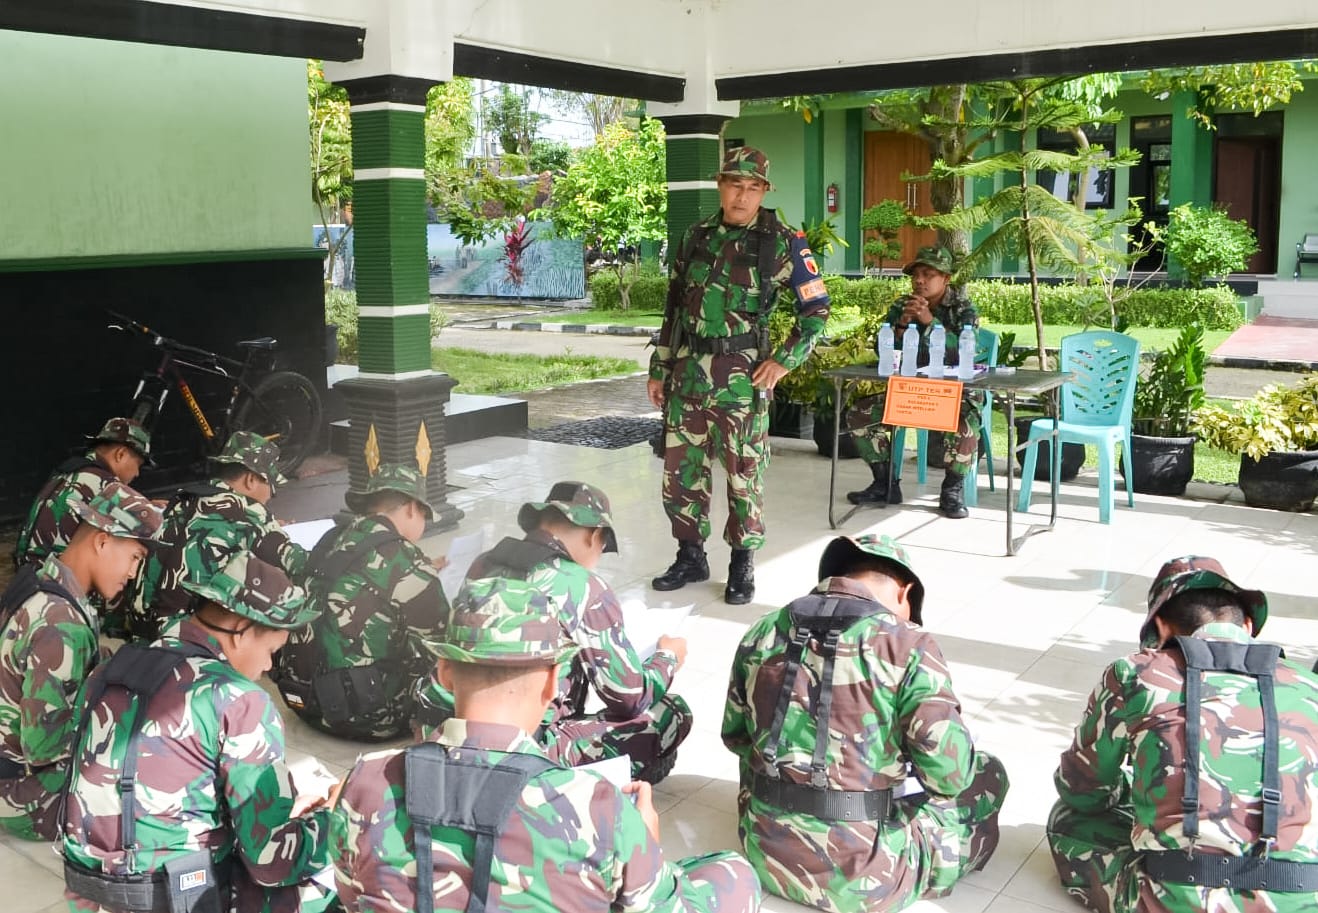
(124, 513)
(1193, 572)
(939, 258)
(581, 504)
(509, 624)
(391, 477)
(254, 452)
(257, 590)
(127, 432)
(745, 162)
(844, 549)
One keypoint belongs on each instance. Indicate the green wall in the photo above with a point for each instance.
(1299, 181)
(115, 149)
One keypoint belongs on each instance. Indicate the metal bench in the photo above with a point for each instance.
(1306, 252)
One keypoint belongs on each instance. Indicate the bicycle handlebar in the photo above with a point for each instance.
(163, 341)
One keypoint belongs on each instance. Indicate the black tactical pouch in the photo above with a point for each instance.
(192, 887)
(350, 694)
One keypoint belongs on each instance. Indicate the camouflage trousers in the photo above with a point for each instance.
(874, 440)
(696, 432)
(645, 738)
(29, 806)
(718, 883)
(928, 845)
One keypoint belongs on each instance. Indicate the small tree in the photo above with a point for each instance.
(615, 192)
(331, 154)
(483, 199)
(1207, 242)
(886, 220)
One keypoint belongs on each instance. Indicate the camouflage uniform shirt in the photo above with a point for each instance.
(210, 775)
(202, 536)
(53, 518)
(573, 842)
(1129, 754)
(46, 651)
(892, 705)
(382, 611)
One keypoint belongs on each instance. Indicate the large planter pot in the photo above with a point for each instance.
(823, 435)
(1073, 455)
(1282, 480)
(792, 420)
(1160, 465)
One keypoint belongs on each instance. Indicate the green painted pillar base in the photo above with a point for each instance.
(694, 152)
(1192, 162)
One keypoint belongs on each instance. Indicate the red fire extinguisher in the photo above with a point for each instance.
(831, 196)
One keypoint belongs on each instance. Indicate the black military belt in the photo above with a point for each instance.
(12, 770)
(1244, 873)
(825, 804)
(722, 345)
(130, 893)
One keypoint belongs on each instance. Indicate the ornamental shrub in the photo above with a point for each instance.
(1207, 242)
(341, 310)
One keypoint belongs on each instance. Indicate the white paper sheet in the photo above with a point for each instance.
(325, 878)
(617, 771)
(311, 778)
(308, 533)
(462, 551)
(645, 625)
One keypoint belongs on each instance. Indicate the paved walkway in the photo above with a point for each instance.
(1288, 341)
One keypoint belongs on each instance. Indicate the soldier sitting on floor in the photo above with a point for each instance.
(208, 523)
(835, 700)
(478, 818)
(49, 635)
(1192, 781)
(567, 534)
(378, 601)
(180, 799)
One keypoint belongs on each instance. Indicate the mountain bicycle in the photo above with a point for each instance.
(282, 406)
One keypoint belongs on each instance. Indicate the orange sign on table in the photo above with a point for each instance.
(917, 402)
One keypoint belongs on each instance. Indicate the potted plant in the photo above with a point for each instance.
(1276, 434)
(1167, 394)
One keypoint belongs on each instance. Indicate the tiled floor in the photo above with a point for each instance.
(1026, 636)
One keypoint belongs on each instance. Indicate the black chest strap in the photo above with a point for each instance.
(142, 670)
(27, 583)
(474, 798)
(758, 250)
(521, 556)
(81, 463)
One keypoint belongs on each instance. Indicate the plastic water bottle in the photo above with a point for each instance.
(965, 350)
(910, 349)
(937, 350)
(884, 347)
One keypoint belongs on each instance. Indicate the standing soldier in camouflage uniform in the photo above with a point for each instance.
(712, 372)
(179, 772)
(566, 535)
(1192, 783)
(118, 451)
(440, 827)
(931, 299)
(207, 524)
(378, 602)
(825, 817)
(48, 644)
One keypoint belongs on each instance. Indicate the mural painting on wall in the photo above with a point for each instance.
(549, 267)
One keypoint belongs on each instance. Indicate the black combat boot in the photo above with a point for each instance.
(741, 578)
(952, 499)
(879, 491)
(691, 566)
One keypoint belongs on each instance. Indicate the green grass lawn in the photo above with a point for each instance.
(482, 372)
(1149, 337)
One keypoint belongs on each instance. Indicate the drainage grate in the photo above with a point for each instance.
(610, 432)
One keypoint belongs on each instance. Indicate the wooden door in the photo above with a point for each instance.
(887, 157)
(1248, 183)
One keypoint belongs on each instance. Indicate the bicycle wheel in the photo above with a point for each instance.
(285, 408)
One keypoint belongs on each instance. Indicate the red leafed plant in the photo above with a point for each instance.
(515, 243)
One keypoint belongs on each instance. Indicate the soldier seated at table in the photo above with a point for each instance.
(835, 701)
(478, 818)
(931, 299)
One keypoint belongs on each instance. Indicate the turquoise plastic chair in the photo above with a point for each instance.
(986, 353)
(1096, 409)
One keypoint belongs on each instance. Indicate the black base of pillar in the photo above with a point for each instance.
(407, 417)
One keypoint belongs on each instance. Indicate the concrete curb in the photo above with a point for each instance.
(602, 329)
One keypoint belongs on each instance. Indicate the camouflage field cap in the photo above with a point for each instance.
(127, 432)
(123, 513)
(745, 162)
(256, 453)
(581, 504)
(510, 624)
(257, 590)
(391, 477)
(939, 258)
(844, 549)
(1193, 572)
